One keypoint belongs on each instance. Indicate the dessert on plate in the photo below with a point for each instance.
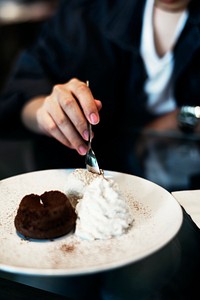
(47, 216)
(92, 205)
(101, 208)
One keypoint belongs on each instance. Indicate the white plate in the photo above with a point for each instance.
(158, 217)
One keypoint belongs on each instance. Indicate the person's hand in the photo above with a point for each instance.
(64, 114)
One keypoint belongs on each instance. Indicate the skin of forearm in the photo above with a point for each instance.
(29, 114)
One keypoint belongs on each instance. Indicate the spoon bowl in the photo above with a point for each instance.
(90, 158)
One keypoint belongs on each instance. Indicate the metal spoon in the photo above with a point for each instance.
(90, 158)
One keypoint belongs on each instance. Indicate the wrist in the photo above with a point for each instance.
(188, 118)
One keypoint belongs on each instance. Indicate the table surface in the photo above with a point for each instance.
(13, 290)
(170, 273)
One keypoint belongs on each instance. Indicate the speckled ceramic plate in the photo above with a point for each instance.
(157, 218)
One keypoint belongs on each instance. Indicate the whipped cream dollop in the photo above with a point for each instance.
(103, 212)
(77, 181)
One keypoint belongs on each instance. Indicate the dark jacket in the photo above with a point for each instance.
(99, 41)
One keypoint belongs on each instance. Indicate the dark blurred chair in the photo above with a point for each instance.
(20, 22)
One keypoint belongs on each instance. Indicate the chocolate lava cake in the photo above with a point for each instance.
(47, 216)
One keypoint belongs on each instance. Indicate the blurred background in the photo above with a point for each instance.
(170, 161)
(20, 22)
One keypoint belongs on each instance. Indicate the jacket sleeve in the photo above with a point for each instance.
(41, 66)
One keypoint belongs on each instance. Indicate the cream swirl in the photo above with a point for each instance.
(103, 212)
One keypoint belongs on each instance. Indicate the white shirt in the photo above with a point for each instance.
(159, 85)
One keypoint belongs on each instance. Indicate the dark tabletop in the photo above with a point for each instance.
(173, 272)
(17, 291)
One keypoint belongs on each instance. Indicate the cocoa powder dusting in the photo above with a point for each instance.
(67, 248)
